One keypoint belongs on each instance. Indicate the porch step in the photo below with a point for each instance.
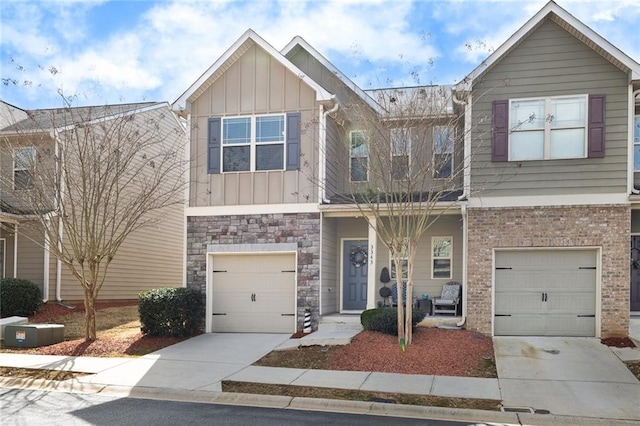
(336, 322)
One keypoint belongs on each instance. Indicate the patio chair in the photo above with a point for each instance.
(447, 302)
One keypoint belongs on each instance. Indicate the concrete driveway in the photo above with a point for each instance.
(565, 376)
(199, 363)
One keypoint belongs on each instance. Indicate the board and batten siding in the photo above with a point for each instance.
(254, 84)
(30, 253)
(330, 268)
(551, 62)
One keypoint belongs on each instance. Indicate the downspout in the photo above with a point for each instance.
(59, 210)
(466, 185)
(322, 190)
(15, 250)
(632, 106)
(463, 210)
(47, 256)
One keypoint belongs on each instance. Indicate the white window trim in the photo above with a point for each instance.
(636, 139)
(450, 258)
(547, 127)
(253, 144)
(453, 144)
(408, 154)
(22, 169)
(351, 156)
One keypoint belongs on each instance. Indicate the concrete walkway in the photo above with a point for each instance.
(565, 377)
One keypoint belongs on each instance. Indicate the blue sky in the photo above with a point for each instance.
(131, 51)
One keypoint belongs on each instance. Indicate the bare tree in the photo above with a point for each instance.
(402, 164)
(90, 177)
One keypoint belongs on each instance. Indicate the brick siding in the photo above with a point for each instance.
(605, 226)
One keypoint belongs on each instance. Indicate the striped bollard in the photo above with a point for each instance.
(307, 321)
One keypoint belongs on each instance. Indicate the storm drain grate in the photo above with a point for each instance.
(517, 410)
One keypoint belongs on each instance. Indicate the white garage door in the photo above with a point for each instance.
(545, 293)
(253, 293)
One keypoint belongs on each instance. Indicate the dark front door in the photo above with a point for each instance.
(635, 273)
(354, 275)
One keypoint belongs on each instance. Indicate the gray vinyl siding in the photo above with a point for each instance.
(150, 257)
(330, 281)
(447, 226)
(550, 62)
(254, 84)
(6, 233)
(31, 253)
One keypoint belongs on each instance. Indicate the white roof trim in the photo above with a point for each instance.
(550, 7)
(297, 40)
(321, 94)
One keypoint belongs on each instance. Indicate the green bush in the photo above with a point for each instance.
(385, 320)
(19, 297)
(170, 311)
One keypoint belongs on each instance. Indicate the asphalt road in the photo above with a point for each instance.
(34, 407)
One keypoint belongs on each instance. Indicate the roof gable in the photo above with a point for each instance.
(237, 49)
(569, 23)
(299, 42)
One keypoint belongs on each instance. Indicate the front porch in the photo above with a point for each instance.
(353, 257)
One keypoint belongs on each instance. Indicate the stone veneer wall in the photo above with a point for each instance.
(606, 226)
(300, 228)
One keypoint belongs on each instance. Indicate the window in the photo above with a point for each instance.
(400, 153)
(636, 143)
(404, 261)
(253, 143)
(359, 156)
(441, 257)
(443, 138)
(548, 128)
(23, 164)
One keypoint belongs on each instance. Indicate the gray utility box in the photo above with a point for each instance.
(33, 335)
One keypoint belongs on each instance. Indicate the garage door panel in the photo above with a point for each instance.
(545, 292)
(519, 324)
(516, 302)
(255, 292)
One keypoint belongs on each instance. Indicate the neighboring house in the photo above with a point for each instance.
(148, 258)
(537, 233)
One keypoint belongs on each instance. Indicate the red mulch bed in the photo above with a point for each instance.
(433, 351)
(618, 342)
(134, 345)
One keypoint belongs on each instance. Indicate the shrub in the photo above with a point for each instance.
(385, 320)
(19, 297)
(170, 311)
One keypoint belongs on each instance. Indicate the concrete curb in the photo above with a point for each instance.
(311, 404)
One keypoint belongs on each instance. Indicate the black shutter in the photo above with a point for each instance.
(596, 126)
(293, 141)
(213, 146)
(500, 143)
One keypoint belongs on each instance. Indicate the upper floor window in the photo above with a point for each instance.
(443, 138)
(23, 164)
(400, 153)
(636, 143)
(441, 257)
(253, 143)
(359, 156)
(548, 128)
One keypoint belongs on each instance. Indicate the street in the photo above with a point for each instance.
(34, 407)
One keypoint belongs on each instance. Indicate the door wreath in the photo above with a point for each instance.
(358, 257)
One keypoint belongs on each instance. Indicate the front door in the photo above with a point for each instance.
(635, 273)
(354, 275)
